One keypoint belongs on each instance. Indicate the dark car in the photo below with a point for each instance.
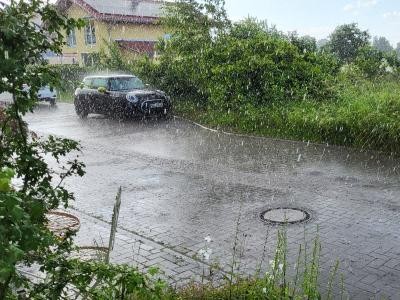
(120, 96)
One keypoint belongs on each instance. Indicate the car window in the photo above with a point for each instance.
(125, 83)
(87, 82)
(99, 82)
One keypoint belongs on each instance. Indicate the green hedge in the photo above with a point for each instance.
(71, 76)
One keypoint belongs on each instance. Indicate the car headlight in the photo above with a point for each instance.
(132, 98)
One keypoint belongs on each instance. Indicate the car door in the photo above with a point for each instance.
(99, 95)
(85, 99)
(117, 98)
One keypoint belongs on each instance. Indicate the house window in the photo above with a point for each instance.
(90, 34)
(71, 39)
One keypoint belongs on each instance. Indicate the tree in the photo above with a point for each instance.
(369, 61)
(398, 50)
(322, 43)
(112, 58)
(346, 40)
(304, 43)
(243, 64)
(373, 62)
(26, 158)
(382, 44)
(193, 26)
(24, 238)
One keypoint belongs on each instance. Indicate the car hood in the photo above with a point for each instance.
(143, 93)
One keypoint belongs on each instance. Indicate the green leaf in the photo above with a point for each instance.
(153, 271)
(5, 184)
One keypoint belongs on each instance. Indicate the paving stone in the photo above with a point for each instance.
(182, 183)
(393, 263)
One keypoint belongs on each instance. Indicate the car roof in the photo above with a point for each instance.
(110, 76)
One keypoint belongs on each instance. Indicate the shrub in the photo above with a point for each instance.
(263, 68)
(70, 76)
(373, 63)
(226, 66)
(346, 40)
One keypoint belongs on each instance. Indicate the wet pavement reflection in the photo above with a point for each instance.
(181, 183)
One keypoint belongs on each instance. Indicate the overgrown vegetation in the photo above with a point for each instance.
(249, 77)
(366, 116)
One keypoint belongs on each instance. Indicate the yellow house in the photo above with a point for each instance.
(130, 23)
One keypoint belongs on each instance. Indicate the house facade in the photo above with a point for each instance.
(132, 24)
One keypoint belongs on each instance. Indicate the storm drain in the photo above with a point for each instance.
(285, 215)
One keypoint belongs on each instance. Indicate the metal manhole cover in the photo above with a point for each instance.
(285, 215)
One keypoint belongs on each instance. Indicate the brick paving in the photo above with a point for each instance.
(138, 251)
(182, 183)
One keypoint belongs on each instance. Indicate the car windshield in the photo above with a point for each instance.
(125, 84)
(45, 88)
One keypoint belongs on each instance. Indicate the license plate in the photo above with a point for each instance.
(156, 105)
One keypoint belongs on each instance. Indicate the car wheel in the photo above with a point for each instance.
(81, 112)
(52, 102)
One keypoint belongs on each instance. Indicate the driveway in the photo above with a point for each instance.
(182, 183)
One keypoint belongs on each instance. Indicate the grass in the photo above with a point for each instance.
(366, 115)
(275, 283)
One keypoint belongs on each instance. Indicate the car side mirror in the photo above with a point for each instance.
(102, 90)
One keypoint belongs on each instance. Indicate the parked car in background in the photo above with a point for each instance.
(45, 93)
(120, 96)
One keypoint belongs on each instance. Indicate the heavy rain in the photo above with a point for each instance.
(194, 150)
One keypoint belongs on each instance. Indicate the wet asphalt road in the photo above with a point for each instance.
(181, 183)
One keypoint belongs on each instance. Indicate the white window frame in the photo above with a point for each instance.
(90, 34)
(71, 39)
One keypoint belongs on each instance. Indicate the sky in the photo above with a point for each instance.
(319, 18)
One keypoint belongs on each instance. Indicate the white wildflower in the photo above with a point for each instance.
(264, 290)
(280, 267)
(205, 253)
(208, 239)
(272, 264)
(389, 69)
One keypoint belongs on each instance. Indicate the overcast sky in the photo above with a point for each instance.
(319, 17)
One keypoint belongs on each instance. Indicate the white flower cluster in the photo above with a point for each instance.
(206, 252)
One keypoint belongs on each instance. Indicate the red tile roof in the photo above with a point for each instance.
(128, 11)
(138, 46)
